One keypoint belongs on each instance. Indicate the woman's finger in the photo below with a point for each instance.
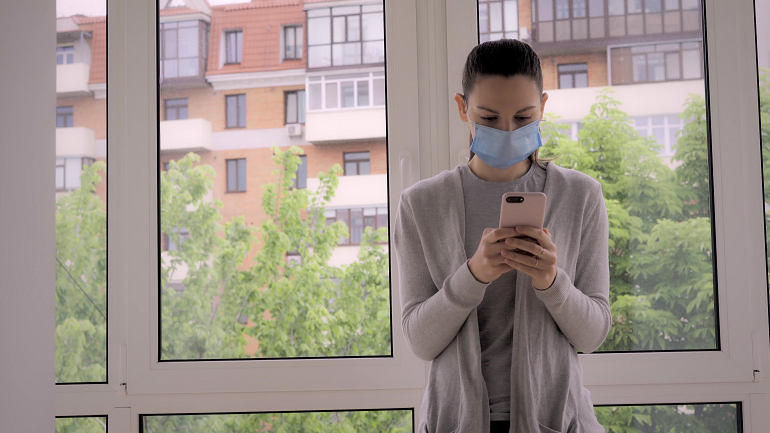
(543, 237)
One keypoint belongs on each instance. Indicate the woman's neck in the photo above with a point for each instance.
(485, 172)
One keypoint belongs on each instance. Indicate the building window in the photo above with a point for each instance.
(169, 245)
(166, 166)
(68, 172)
(293, 257)
(345, 35)
(295, 106)
(180, 49)
(346, 91)
(64, 117)
(356, 163)
(662, 62)
(236, 111)
(292, 42)
(176, 109)
(573, 76)
(233, 46)
(498, 19)
(236, 175)
(65, 55)
(300, 181)
(564, 20)
(357, 220)
(663, 128)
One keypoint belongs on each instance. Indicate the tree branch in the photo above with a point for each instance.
(81, 289)
(215, 306)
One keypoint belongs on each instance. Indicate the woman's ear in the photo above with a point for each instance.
(542, 104)
(461, 107)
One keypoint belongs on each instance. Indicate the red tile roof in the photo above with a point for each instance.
(177, 11)
(98, 51)
(261, 23)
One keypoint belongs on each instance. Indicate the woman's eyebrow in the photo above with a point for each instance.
(493, 111)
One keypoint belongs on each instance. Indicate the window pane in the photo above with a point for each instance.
(356, 226)
(319, 57)
(596, 8)
(562, 9)
(331, 95)
(226, 180)
(672, 66)
(169, 44)
(188, 67)
(353, 421)
(374, 52)
(316, 100)
(242, 174)
(351, 169)
(81, 424)
(714, 417)
(354, 28)
(170, 69)
(232, 175)
(318, 31)
(616, 7)
(239, 46)
(232, 111)
(379, 92)
(691, 61)
(373, 26)
(495, 17)
(339, 29)
(511, 12)
(545, 10)
(578, 8)
(81, 284)
(363, 93)
(188, 42)
(241, 110)
(662, 286)
(672, 5)
(690, 4)
(291, 107)
(483, 18)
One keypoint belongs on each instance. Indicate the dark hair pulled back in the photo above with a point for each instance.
(504, 58)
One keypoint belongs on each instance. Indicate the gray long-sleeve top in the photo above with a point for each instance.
(439, 300)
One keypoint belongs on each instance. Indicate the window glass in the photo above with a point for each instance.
(241, 194)
(495, 17)
(353, 421)
(81, 424)
(511, 12)
(710, 417)
(363, 93)
(662, 286)
(80, 221)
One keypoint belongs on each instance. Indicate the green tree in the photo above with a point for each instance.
(81, 425)
(81, 275)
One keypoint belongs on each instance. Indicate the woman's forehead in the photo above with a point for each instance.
(506, 93)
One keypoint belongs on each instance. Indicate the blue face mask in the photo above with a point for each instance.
(503, 149)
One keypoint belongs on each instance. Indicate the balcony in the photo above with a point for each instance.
(72, 79)
(77, 141)
(188, 135)
(356, 191)
(648, 99)
(345, 125)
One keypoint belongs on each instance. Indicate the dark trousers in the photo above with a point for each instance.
(499, 426)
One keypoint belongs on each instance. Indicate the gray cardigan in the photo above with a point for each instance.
(439, 297)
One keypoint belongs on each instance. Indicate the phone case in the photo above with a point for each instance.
(530, 212)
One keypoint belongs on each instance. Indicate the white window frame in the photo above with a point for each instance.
(419, 107)
(646, 131)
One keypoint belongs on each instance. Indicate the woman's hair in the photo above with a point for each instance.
(504, 58)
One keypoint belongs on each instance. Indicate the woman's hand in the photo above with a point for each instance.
(487, 264)
(541, 266)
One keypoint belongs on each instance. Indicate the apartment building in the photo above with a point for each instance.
(81, 104)
(649, 51)
(236, 80)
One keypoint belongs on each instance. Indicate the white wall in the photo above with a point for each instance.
(27, 243)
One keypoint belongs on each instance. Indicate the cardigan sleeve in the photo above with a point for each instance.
(430, 318)
(582, 309)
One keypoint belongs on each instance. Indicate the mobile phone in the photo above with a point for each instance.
(523, 209)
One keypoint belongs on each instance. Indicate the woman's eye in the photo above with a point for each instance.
(489, 119)
(521, 119)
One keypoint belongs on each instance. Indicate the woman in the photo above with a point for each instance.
(502, 329)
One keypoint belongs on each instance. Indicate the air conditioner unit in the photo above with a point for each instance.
(294, 129)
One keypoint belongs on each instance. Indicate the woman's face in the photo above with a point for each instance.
(502, 103)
